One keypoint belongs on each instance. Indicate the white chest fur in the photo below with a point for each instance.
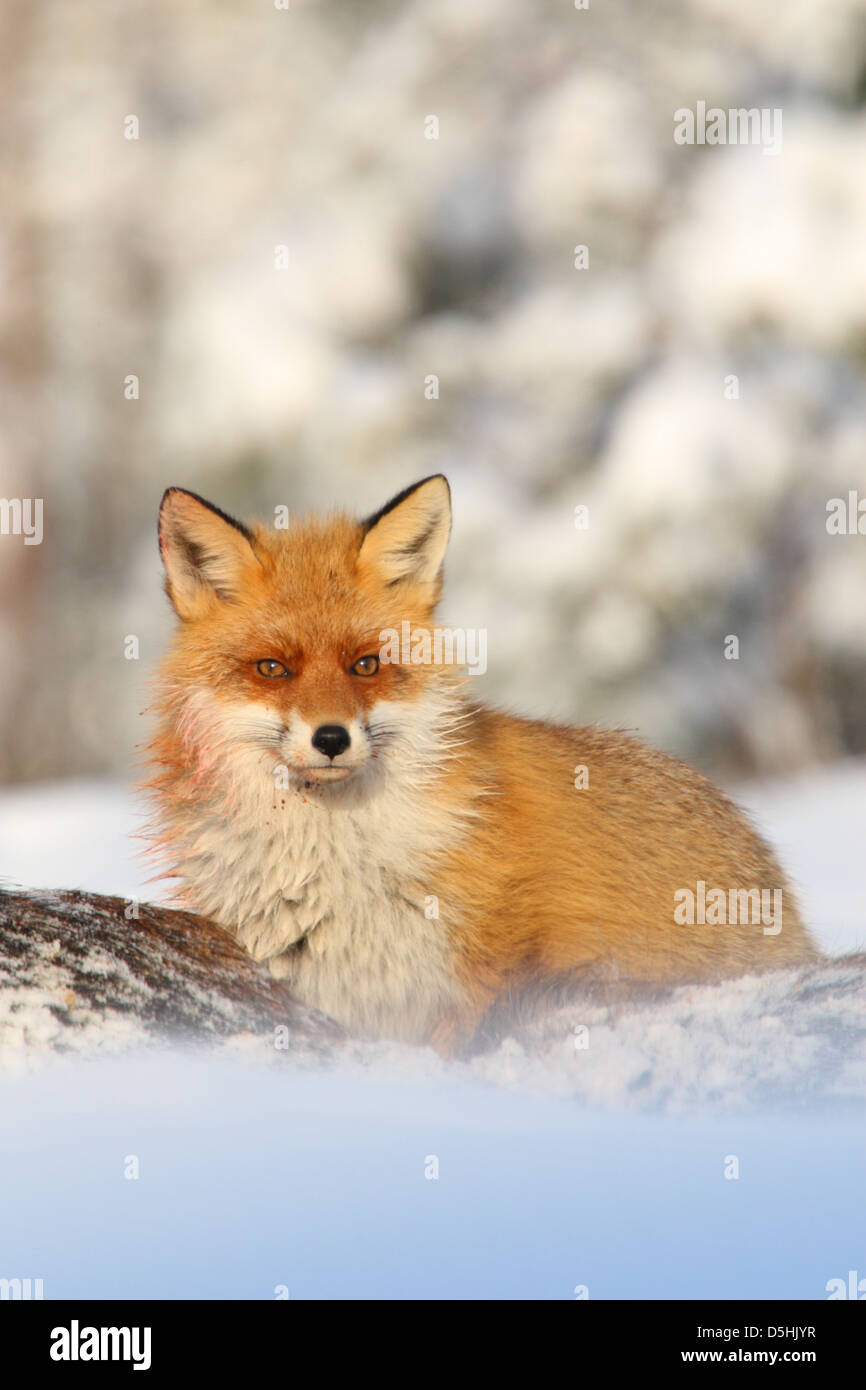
(333, 887)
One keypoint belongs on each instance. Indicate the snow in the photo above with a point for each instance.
(816, 822)
(316, 1181)
(75, 834)
(558, 1165)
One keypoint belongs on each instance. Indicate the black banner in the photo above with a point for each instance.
(149, 1338)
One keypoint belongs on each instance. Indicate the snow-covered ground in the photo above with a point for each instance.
(251, 1180)
(557, 1166)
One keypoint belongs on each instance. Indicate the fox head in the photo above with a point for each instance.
(282, 651)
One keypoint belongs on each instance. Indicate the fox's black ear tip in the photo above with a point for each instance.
(202, 502)
(169, 492)
(370, 521)
(432, 478)
(443, 485)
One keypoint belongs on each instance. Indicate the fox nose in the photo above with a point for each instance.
(331, 739)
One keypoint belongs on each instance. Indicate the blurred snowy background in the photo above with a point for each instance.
(610, 387)
(409, 257)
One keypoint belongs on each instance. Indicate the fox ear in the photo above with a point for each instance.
(406, 540)
(205, 552)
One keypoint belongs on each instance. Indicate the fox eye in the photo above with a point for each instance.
(366, 666)
(270, 667)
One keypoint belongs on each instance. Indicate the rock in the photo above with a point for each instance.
(77, 975)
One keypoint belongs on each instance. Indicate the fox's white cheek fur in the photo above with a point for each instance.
(315, 881)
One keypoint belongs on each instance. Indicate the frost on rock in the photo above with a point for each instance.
(77, 976)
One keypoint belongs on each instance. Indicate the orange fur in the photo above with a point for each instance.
(455, 861)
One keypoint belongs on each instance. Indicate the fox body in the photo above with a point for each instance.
(404, 857)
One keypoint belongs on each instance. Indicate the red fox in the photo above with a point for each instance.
(403, 856)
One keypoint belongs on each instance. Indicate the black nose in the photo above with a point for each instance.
(331, 739)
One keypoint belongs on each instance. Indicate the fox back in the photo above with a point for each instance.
(402, 856)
